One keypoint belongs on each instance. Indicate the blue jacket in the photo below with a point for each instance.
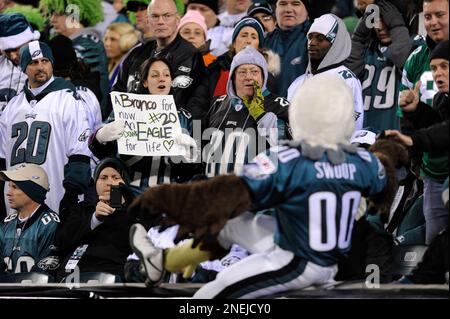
(291, 46)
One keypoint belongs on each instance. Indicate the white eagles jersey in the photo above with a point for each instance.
(92, 107)
(12, 80)
(349, 78)
(45, 133)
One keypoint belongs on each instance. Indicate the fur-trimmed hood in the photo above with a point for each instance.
(321, 112)
(249, 55)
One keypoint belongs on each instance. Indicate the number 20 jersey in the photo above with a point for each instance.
(315, 201)
(45, 131)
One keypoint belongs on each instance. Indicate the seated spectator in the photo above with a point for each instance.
(102, 228)
(32, 227)
(192, 28)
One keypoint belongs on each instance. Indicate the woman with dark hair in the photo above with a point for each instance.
(97, 231)
(148, 171)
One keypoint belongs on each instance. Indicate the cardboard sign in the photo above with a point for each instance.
(151, 124)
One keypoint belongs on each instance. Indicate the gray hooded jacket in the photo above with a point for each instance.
(333, 62)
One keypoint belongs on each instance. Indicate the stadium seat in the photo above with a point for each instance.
(406, 258)
(25, 278)
(96, 278)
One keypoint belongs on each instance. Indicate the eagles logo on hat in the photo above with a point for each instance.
(33, 51)
(260, 7)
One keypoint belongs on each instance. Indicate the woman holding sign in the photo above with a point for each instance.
(148, 171)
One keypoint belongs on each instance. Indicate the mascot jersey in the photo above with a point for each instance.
(33, 244)
(315, 201)
(46, 130)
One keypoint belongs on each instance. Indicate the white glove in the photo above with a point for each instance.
(111, 131)
(190, 147)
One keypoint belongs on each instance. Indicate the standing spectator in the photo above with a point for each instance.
(289, 41)
(32, 14)
(146, 171)
(102, 227)
(27, 236)
(15, 32)
(377, 58)
(121, 10)
(138, 13)
(329, 45)
(258, 114)
(68, 66)
(247, 32)
(46, 125)
(193, 28)
(417, 77)
(209, 9)
(430, 134)
(189, 82)
(263, 11)
(417, 66)
(86, 41)
(118, 40)
(221, 35)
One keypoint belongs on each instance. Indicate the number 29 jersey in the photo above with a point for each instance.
(315, 201)
(45, 130)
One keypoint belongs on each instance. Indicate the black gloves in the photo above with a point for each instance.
(390, 14)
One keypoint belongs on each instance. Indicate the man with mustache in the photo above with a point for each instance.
(46, 125)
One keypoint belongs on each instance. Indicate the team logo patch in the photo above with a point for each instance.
(182, 81)
(49, 263)
(84, 136)
(296, 61)
(36, 54)
(184, 69)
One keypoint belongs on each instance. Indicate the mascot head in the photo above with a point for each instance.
(321, 112)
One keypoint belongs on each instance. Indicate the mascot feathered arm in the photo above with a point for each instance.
(392, 155)
(201, 208)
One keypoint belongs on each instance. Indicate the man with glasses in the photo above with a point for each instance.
(189, 78)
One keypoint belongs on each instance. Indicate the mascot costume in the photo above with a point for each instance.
(314, 185)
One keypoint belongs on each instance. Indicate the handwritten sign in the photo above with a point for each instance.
(151, 124)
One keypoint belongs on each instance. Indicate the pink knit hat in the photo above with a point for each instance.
(195, 17)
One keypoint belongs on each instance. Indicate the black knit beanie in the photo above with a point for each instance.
(440, 51)
(213, 4)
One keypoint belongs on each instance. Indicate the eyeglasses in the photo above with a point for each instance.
(250, 73)
(166, 17)
(266, 18)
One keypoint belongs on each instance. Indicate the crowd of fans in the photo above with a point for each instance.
(231, 65)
